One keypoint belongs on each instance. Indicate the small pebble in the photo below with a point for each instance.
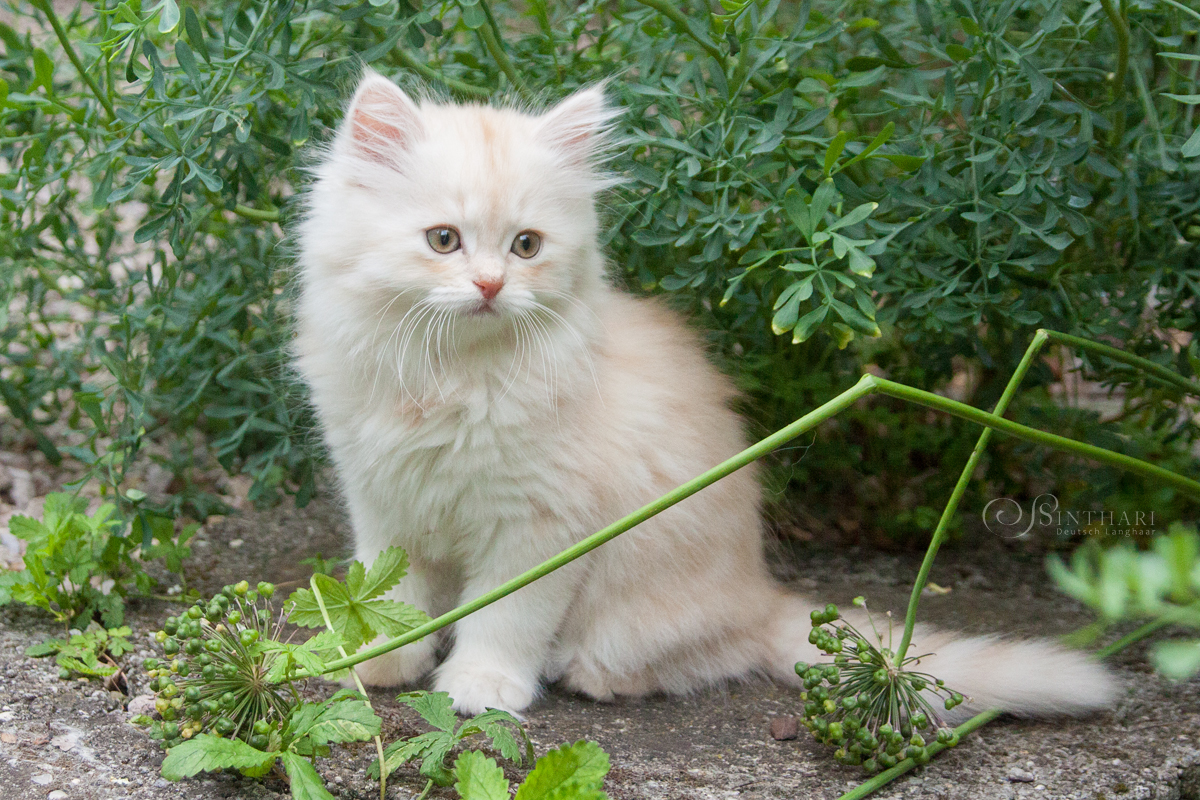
(236, 543)
(783, 728)
(42, 779)
(1018, 775)
(162, 783)
(6, 716)
(57, 794)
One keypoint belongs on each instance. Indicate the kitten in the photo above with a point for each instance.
(489, 399)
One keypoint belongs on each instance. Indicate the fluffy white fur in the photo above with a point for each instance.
(484, 437)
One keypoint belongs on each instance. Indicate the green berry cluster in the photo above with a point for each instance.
(872, 709)
(213, 678)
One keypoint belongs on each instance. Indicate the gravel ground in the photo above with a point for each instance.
(67, 740)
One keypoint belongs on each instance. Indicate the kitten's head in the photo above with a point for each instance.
(480, 212)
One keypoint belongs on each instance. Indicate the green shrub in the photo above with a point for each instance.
(824, 185)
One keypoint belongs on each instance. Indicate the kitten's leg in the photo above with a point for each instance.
(429, 587)
(500, 651)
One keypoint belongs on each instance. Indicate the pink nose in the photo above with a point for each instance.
(489, 287)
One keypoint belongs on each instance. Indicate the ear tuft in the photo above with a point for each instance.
(580, 125)
(382, 120)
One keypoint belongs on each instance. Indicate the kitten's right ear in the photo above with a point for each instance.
(382, 120)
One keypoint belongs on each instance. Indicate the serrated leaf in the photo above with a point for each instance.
(580, 766)
(477, 777)
(205, 753)
(306, 784)
(344, 721)
(386, 571)
(356, 621)
(436, 708)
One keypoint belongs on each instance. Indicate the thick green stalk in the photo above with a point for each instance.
(971, 414)
(256, 214)
(1121, 28)
(1157, 370)
(490, 33)
(889, 775)
(46, 8)
(960, 488)
(777, 439)
(316, 590)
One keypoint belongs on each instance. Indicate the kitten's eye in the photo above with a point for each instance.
(527, 244)
(443, 239)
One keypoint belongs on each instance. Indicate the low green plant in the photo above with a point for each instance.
(76, 566)
(570, 772)
(1158, 587)
(433, 747)
(869, 703)
(91, 654)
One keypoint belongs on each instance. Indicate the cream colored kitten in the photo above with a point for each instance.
(489, 399)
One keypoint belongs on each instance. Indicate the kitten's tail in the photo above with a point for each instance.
(1030, 677)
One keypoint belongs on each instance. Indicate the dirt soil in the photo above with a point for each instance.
(71, 740)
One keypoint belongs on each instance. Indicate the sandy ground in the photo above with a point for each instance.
(67, 740)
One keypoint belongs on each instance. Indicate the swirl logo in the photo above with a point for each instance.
(1004, 516)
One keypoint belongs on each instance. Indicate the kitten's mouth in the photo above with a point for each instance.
(484, 308)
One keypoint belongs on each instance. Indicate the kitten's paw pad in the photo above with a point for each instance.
(401, 667)
(475, 689)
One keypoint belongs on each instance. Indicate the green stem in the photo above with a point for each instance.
(887, 776)
(777, 439)
(258, 215)
(316, 590)
(1157, 370)
(490, 33)
(686, 25)
(46, 8)
(1134, 636)
(971, 414)
(1121, 28)
(960, 488)
(426, 71)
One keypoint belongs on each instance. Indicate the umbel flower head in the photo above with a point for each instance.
(873, 708)
(219, 674)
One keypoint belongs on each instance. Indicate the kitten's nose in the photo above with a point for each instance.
(489, 287)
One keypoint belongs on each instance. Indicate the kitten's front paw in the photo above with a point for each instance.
(478, 688)
(401, 667)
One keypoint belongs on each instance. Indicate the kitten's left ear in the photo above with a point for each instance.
(579, 125)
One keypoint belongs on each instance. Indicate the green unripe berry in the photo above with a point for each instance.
(210, 706)
(160, 636)
(150, 664)
(920, 721)
(170, 730)
(224, 726)
(204, 659)
(195, 612)
(881, 676)
(262, 727)
(887, 761)
(850, 703)
(214, 613)
(222, 601)
(831, 611)
(918, 684)
(263, 615)
(229, 670)
(871, 766)
(835, 731)
(943, 735)
(180, 667)
(212, 645)
(229, 700)
(801, 668)
(168, 689)
(234, 617)
(241, 587)
(171, 625)
(814, 636)
(885, 729)
(208, 673)
(259, 741)
(192, 694)
(169, 713)
(829, 707)
(248, 637)
(170, 646)
(193, 647)
(266, 589)
(917, 740)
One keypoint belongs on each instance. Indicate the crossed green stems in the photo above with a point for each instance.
(868, 385)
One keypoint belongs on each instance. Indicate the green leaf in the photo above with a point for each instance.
(436, 708)
(386, 571)
(355, 620)
(205, 753)
(970, 26)
(306, 784)
(1191, 148)
(343, 721)
(808, 324)
(959, 53)
(1189, 99)
(854, 217)
(477, 777)
(835, 150)
(575, 771)
(1178, 660)
(168, 17)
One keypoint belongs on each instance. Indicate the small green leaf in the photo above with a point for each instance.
(970, 26)
(1191, 148)
(1178, 660)
(835, 150)
(574, 771)
(436, 708)
(477, 777)
(306, 784)
(959, 53)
